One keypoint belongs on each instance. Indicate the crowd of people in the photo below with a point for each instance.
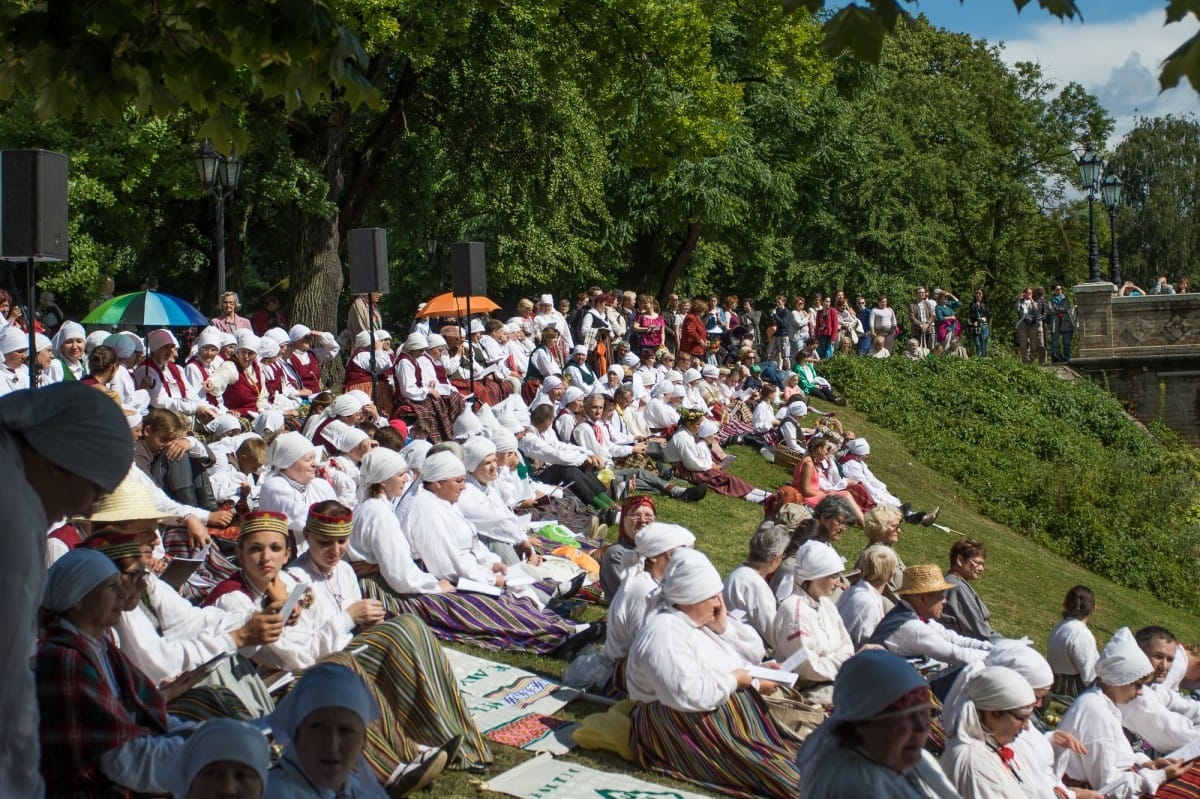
(215, 546)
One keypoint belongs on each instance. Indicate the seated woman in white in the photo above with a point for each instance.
(390, 574)
(697, 714)
(1071, 647)
(862, 607)
(979, 758)
(293, 483)
(746, 587)
(483, 504)
(808, 620)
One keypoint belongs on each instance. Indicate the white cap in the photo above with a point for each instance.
(416, 341)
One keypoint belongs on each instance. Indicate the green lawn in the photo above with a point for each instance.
(1023, 584)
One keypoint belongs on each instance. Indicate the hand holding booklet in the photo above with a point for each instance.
(774, 675)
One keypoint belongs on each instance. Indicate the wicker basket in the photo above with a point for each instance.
(787, 457)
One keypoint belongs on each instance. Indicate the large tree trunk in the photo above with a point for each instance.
(679, 261)
(316, 279)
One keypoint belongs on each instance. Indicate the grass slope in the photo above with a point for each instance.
(1023, 584)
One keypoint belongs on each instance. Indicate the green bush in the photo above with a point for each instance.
(1055, 460)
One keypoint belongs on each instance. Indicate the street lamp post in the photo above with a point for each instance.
(1089, 169)
(219, 175)
(1111, 191)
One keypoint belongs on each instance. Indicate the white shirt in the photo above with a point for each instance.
(378, 538)
(814, 625)
(861, 609)
(977, 771)
(1071, 649)
(855, 469)
(686, 667)
(332, 594)
(746, 590)
(282, 494)
(485, 508)
(929, 639)
(446, 542)
(627, 611)
(695, 455)
(296, 648)
(414, 378)
(1148, 716)
(548, 448)
(660, 414)
(1096, 722)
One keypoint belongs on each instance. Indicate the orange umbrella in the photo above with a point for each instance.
(449, 305)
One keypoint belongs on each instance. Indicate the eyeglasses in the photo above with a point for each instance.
(1021, 717)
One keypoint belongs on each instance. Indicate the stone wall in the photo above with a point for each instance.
(1145, 350)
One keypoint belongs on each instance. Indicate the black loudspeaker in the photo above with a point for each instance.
(368, 261)
(33, 205)
(469, 268)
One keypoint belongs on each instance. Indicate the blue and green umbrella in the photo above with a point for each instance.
(147, 309)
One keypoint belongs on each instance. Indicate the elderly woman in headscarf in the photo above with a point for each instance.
(809, 620)
(61, 448)
(240, 382)
(292, 485)
(392, 576)
(980, 759)
(104, 725)
(873, 744)
(622, 556)
(484, 506)
(68, 362)
(1095, 719)
(204, 362)
(222, 758)
(698, 714)
(401, 661)
(323, 725)
(634, 599)
(165, 381)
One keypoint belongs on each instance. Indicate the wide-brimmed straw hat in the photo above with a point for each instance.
(925, 578)
(132, 500)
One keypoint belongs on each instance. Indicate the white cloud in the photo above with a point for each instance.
(1117, 61)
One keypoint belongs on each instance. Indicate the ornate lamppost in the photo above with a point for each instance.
(1110, 189)
(1089, 169)
(219, 175)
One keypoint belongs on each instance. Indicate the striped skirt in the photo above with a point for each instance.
(417, 691)
(720, 481)
(1068, 686)
(492, 623)
(1186, 786)
(736, 749)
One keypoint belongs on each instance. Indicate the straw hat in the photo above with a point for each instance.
(925, 578)
(131, 501)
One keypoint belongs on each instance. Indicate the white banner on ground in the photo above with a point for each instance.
(512, 706)
(544, 777)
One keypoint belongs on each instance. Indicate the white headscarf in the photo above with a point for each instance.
(75, 427)
(690, 578)
(343, 437)
(297, 332)
(286, 449)
(216, 741)
(378, 465)
(1122, 661)
(816, 559)
(478, 448)
(69, 330)
(442, 466)
(504, 441)
(345, 405)
(659, 537)
(467, 425)
(269, 421)
(1009, 653)
(991, 688)
(74, 575)
(12, 339)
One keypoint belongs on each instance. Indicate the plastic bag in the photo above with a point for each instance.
(608, 730)
(589, 670)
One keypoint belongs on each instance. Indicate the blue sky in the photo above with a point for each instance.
(1114, 52)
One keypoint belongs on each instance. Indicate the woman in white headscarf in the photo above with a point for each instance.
(809, 620)
(980, 759)
(1095, 719)
(389, 574)
(103, 723)
(69, 362)
(323, 724)
(220, 753)
(293, 483)
(873, 744)
(698, 715)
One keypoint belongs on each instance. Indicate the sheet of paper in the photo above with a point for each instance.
(1189, 751)
(180, 569)
(797, 657)
(518, 577)
(476, 587)
(774, 675)
(293, 598)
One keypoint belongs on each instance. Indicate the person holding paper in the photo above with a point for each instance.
(911, 629)
(808, 622)
(698, 714)
(746, 587)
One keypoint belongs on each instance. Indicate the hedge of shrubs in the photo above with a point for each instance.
(1055, 460)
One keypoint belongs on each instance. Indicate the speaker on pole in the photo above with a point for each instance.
(33, 206)
(368, 261)
(469, 269)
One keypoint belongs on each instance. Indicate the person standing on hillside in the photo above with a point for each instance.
(1060, 322)
(1029, 326)
(921, 318)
